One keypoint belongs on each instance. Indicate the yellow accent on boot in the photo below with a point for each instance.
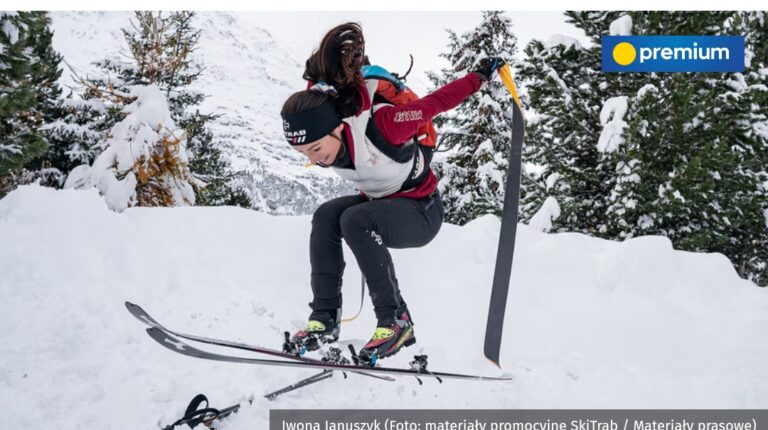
(313, 325)
(382, 333)
(408, 334)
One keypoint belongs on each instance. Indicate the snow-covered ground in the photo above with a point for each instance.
(590, 323)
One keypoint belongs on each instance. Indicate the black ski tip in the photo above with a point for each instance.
(142, 315)
(161, 337)
(134, 309)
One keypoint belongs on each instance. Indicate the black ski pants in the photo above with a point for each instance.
(368, 227)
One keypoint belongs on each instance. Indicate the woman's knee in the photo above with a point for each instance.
(324, 213)
(329, 213)
(355, 221)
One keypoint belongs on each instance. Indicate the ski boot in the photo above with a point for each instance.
(389, 337)
(323, 328)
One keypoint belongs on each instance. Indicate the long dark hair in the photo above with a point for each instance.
(302, 101)
(338, 62)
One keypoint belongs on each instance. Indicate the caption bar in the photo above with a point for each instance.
(540, 419)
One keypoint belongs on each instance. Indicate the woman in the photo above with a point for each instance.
(398, 205)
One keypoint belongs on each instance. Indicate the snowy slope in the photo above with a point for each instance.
(247, 77)
(591, 323)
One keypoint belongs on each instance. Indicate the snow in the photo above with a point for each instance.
(485, 147)
(645, 89)
(95, 105)
(590, 323)
(9, 28)
(552, 180)
(738, 83)
(765, 213)
(612, 119)
(613, 109)
(662, 190)
(621, 26)
(13, 148)
(549, 211)
(486, 101)
(565, 41)
(551, 73)
(79, 177)
(760, 128)
(645, 222)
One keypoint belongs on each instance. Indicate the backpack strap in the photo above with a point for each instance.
(410, 152)
(401, 154)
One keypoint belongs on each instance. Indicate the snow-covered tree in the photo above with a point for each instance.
(565, 92)
(161, 46)
(76, 137)
(737, 138)
(478, 134)
(693, 159)
(145, 162)
(27, 86)
(676, 154)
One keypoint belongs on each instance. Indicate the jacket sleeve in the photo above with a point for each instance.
(398, 124)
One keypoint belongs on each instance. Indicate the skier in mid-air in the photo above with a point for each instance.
(340, 123)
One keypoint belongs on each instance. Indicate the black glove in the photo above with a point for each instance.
(488, 67)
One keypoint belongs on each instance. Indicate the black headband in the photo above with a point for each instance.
(306, 127)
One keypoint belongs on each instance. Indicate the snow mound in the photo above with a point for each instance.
(590, 323)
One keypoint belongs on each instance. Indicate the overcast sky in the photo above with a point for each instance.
(391, 36)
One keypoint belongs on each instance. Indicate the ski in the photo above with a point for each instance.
(144, 317)
(506, 249)
(168, 341)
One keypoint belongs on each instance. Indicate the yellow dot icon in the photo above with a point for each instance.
(624, 53)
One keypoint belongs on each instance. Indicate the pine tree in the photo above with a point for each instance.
(46, 167)
(683, 155)
(694, 152)
(74, 128)
(145, 162)
(478, 134)
(76, 137)
(737, 112)
(155, 171)
(21, 94)
(222, 187)
(162, 47)
(565, 91)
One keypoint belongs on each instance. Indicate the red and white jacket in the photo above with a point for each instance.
(379, 176)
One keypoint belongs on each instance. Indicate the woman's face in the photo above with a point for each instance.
(323, 151)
